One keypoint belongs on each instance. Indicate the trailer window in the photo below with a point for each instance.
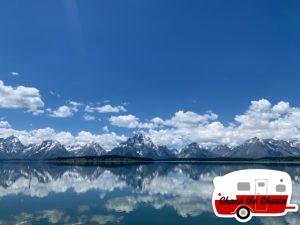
(243, 186)
(280, 188)
(261, 184)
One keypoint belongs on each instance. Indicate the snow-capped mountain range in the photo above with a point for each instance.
(142, 146)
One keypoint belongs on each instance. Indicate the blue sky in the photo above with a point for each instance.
(154, 58)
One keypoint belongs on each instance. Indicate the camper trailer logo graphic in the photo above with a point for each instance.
(254, 192)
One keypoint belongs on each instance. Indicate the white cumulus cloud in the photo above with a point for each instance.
(89, 117)
(4, 124)
(20, 97)
(261, 119)
(111, 109)
(189, 119)
(105, 109)
(65, 110)
(131, 122)
(62, 112)
(36, 136)
(127, 121)
(14, 73)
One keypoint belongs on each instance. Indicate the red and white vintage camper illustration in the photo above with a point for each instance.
(254, 192)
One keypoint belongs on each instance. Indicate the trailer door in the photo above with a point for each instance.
(261, 190)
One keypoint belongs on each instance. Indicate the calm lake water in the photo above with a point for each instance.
(158, 193)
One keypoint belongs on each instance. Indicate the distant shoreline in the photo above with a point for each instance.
(113, 159)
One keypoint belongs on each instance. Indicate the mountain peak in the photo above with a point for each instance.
(141, 146)
(50, 144)
(253, 140)
(138, 140)
(141, 137)
(12, 138)
(193, 150)
(87, 149)
(11, 145)
(193, 145)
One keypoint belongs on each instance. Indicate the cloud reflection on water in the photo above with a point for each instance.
(185, 188)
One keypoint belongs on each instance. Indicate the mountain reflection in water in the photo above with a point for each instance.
(157, 193)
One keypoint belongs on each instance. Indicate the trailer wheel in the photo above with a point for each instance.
(243, 213)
